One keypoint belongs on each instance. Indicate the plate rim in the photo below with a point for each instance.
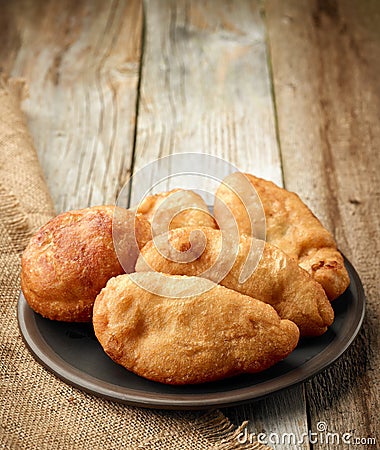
(73, 376)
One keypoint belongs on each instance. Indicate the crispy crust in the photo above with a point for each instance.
(188, 340)
(195, 214)
(291, 226)
(278, 280)
(70, 259)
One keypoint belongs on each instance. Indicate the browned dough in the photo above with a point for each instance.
(291, 226)
(277, 279)
(194, 339)
(71, 258)
(163, 209)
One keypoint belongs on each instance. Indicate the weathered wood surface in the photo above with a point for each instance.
(81, 60)
(326, 64)
(205, 85)
(109, 94)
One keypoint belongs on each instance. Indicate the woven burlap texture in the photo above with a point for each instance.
(39, 411)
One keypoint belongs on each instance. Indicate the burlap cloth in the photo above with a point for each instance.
(39, 411)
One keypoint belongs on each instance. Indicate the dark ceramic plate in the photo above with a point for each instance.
(72, 352)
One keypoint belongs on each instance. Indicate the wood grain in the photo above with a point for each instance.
(81, 60)
(326, 63)
(206, 87)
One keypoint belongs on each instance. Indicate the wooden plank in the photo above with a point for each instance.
(205, 87)
(81, 61)
(326, 64)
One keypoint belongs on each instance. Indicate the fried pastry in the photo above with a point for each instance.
(175, 209)
(290, 225)
(270, 275)
(71, 258)
(191, 339)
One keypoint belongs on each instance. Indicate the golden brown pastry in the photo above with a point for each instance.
(191, 339)
(175, 209)
(71, 258)
(291, 226)
(275, 279)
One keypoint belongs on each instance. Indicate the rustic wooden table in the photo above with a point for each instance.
(287, 90)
